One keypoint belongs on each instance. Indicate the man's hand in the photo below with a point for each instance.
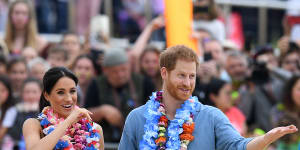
(278, 132)
(108, 112)
(261, 142)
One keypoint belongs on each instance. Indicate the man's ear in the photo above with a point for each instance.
(163, 73)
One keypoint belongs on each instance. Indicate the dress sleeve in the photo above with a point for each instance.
(227, 138)
(9, 117)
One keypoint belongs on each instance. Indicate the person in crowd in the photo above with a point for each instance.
(3, 65)
(3, 48)
(115, 93)
(57, 56)
(38, 67)
(21, 30)
(7, 108)
(141, 43)
(290, 61)
(71, 43)
(172, 119)
(29, 53)
(149, 65)
(219, 95)
(263, 91)
(205, 16)
(27, 108)
(17, 72)
(61, 124)
(85, 69)
(236, 65)
(144, 57)
(288, 111)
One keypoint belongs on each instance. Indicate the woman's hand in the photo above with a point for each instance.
(79, 113)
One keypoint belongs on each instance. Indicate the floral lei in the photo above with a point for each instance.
(162, 134)
(82, 135)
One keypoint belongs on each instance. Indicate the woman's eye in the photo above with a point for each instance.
(60, 92)
(73, 91)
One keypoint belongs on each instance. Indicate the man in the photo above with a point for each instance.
(212, 129)
(236, 65)
(115, 93)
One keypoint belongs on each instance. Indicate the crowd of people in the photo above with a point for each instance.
(256, 89)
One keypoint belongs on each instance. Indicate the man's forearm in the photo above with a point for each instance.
(258, 143)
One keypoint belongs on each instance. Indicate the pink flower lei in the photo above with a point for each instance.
(79, 136)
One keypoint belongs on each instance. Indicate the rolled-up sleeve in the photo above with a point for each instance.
(227, 138)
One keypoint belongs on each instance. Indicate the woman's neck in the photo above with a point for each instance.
(20, 33)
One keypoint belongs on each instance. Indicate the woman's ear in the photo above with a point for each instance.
(46, 95)
(212, 97)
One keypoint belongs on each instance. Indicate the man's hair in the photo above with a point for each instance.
(237, 54)
(169, 57)
(58, 48)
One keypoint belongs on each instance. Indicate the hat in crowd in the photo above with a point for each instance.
(113, 57)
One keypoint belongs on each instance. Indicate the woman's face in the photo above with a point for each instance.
(72, 44)
(20, 16)
(3, 93)
(291, 63)
(29, 54)
(84, 70)
(296, 93)
(150, 64)
(18, 74)
(63, 96)
(31, 92)
(223, 100)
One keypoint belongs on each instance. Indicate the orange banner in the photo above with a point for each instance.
(179, 18)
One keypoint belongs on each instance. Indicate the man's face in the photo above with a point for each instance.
(117, 75)
(215, 49)
(180, 82)
(56, 60)
(236, 68)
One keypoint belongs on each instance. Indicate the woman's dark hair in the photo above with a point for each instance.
(148, 49)
(214, 87)
(289, 52)
(95, 66)
(9, 102)
(50, 79)
(288, 101)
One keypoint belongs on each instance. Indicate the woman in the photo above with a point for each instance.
(85, 69)
(219, 95)
(61, 124)
(7, 108)
(21, 28)
(149, 65)
(17, 72)
(288, 112)
(289, 61)
(27, 108)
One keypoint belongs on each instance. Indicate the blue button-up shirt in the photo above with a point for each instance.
(213, 131)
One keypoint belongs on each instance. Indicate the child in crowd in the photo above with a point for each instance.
(57, 56)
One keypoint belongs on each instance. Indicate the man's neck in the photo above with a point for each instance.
(171, 104)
